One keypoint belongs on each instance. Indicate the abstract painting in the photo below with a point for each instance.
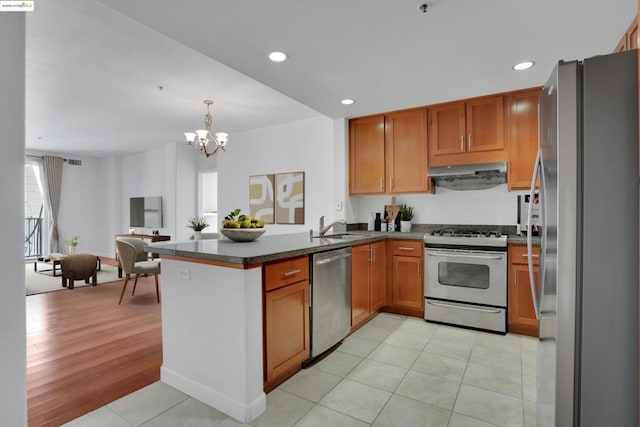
(261, 198)
(290, 198)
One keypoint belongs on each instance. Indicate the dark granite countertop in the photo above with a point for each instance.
(270, 248)
(280, 246)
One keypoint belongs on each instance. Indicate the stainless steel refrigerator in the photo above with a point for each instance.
(587, 296)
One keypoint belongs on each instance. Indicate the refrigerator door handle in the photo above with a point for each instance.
(534, 295)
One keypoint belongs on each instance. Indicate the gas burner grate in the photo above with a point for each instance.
(465, 233)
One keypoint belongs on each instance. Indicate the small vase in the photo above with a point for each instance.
(405, 226)
(197, 235)
(72, 249)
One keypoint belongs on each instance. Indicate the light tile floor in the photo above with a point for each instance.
(395, 371)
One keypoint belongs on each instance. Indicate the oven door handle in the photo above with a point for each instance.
(483, 310)
(444, 254)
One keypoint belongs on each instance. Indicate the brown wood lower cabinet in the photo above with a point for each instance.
(367, 281)
(521, 314)
(406, 287)
(286, 319)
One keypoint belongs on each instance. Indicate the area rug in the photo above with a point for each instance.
(43, 280)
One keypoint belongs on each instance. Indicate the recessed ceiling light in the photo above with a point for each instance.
(348, 101)
(277, 56)
(523, 65)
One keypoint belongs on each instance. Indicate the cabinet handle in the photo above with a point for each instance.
(370, 250)
(381, 184)
(404, 248)
(461, 142)
(374, 254)
(418, 269)
(532, 256)
(290, 273)
(469, 142)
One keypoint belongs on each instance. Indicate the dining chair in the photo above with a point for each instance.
(134, 260)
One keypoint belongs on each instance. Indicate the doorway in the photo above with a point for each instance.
(208, 199)
(34, 211)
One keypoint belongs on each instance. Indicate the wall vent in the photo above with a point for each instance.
(74, 162)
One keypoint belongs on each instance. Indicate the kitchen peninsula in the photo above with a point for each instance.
(216, 296)
(212, 318)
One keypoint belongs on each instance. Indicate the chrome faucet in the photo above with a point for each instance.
(323, 229)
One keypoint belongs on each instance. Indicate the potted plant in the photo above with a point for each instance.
(197, 224)
(406, 215)
(72, 242)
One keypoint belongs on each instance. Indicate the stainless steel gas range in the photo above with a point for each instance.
(465, 281)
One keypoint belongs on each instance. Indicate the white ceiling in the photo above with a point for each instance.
(94, 67)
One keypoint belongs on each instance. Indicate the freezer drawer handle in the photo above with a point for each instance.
(332, 259)
(483, 310)
(447, 255)
(290, 273)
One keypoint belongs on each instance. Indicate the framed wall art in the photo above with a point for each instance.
(289, 206)
(261, 198)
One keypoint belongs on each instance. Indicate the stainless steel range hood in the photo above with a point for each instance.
(470, 177)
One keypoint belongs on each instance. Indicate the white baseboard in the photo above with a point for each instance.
(243, 412)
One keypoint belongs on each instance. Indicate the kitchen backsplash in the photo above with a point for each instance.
(494, 206)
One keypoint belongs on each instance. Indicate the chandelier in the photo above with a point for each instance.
(204, 140)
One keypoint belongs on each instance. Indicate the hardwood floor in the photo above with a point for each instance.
(84, 350)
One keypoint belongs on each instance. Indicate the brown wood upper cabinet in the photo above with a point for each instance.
(470, 131)
(629, 39)
(522, 136)
(388, 153)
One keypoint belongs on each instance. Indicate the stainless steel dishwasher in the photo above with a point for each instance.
(331, 299)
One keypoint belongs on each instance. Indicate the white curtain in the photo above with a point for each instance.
(53, 185)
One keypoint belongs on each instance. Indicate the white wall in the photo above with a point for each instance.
(305, 145)
(170, 172)
(13, 394)
(111, 204)
(493, 206)
(80, 205)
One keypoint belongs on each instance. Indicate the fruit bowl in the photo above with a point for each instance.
(242, 234)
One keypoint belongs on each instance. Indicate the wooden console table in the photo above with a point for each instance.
(151, 238)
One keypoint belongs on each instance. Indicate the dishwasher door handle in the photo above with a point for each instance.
(332, 259)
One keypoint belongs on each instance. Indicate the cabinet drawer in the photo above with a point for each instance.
(286, 272)
(518, 254)
(407, 247)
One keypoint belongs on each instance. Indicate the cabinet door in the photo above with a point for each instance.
(359, 284)
(407, 286)
(485, 124)
(522, 317)
(446, 129)
(406, 159)
(522, 134)
(286, 328)
(377, 276)
(366, 155)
